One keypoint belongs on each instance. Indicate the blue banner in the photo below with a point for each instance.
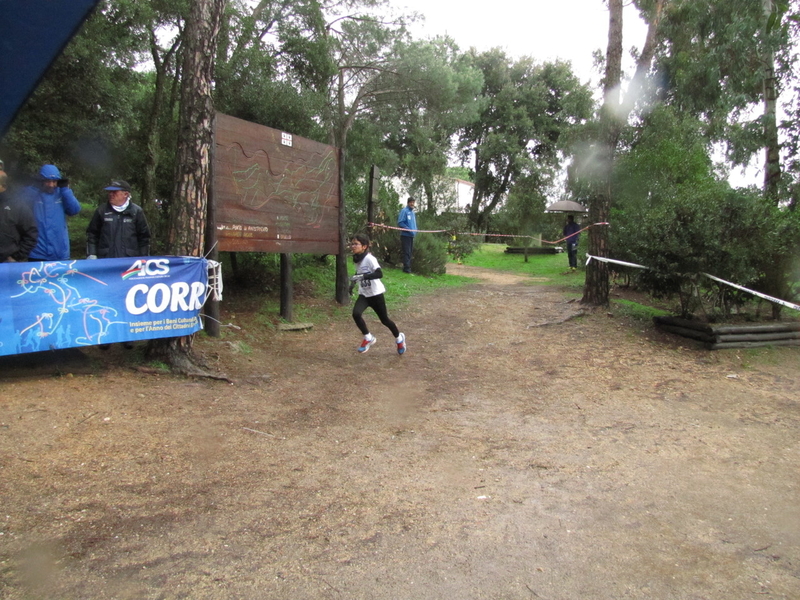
(74, 303)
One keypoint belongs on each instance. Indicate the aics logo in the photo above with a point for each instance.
(145, 267)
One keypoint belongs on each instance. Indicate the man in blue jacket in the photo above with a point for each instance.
(52, 202)
(407, 221)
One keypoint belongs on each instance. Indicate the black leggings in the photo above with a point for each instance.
(378, 304)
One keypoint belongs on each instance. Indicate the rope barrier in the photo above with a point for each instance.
(501, 235)
(759, 294)
(590, 257)
(791, 305)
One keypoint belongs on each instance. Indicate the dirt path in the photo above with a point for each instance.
(501, 457)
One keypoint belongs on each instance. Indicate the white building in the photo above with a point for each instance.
(463, 191)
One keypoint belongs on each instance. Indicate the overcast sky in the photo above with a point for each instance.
(544, 29)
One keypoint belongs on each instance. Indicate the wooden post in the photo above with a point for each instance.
(287, 288)
(372, 195)
(342, 297)
(211, 308)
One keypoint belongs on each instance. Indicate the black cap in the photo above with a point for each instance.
(118, 184)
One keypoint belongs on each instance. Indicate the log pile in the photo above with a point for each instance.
(533, 250)
(719, 337)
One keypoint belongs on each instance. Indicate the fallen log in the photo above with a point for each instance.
(760, 328)
(727, 345)
(684, 323)
(690, 333)
(758, 337)
(520, 250)
(719, 337)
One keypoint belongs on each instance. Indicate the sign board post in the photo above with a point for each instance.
(372, 195)
(274, 192)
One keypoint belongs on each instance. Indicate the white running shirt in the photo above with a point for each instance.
(371, 287)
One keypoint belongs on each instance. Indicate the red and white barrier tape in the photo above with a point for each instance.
(579, 231)
(511, 235)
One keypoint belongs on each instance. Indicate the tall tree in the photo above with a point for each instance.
(525, 108)
(361, 46)
(772, 13)
(193, 171)
(720, 61)
(438, 97)
(598, 164)
(272, 61)
(164, 61)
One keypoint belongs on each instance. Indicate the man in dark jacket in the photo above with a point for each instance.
(572, 233)
(18, 231)
(118, 227)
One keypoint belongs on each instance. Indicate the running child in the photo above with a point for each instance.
(370, 293)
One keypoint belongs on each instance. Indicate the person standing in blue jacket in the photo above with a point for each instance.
(407, 221)
(52, 202)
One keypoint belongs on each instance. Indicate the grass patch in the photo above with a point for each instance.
(548, 269)
(314, 286)
(640, 312)
(321, 307)
(304, 310)
(158, 365)
(314, 295)
(401, 287)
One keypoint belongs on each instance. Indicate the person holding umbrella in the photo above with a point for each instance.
(572, 234)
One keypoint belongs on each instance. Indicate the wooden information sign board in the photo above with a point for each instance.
(274, 191)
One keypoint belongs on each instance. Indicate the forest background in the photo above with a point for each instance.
(710, 79)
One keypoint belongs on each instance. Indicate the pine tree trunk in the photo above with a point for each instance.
(772, 166)
(614, 114)
(153, 133)
(596, 287)
(777, 283)
(193, 169)
(193, 166)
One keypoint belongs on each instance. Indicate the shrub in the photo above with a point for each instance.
(733, 234)
(429, 257)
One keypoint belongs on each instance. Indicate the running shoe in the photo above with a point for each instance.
(366, 344)
(401, 345)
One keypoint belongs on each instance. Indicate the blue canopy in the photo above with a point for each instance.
(32, 34)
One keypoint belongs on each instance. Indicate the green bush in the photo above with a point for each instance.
(262, 271)
(429, 256)
(733, 234)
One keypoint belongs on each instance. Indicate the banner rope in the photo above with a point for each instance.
(501, 235)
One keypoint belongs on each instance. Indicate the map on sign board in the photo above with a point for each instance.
(274, 191)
